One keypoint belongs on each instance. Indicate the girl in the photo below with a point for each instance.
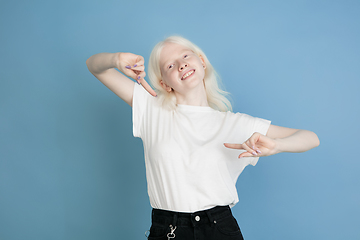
(189, 135)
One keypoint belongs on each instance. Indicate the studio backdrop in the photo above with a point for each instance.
(70, 167)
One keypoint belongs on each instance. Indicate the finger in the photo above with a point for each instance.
(140, 75)
(252, 143)
(258, 151)
(131, 73)
(139, 61)
(138, 72)
(233, 145)
(147, 87)
(246, 146)
(253, 139)
(140, 68)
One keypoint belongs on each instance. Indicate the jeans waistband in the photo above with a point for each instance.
(165, 217)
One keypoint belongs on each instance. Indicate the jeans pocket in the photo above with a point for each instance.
(228, 226)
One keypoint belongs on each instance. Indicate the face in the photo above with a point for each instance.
(181, 68)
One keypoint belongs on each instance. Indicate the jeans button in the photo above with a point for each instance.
(197, 218)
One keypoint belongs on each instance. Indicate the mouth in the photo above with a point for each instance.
(188, 74)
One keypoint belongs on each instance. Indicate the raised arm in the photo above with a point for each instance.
(102, 66)
(278, 139)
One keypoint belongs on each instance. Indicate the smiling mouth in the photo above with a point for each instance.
(189, 73)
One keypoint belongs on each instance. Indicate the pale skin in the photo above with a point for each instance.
(176, 63)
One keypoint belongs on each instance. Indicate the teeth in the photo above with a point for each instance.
(188, 74)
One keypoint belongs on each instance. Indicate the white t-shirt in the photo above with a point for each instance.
(188, 168)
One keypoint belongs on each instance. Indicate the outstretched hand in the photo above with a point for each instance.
(132, 65)
(257, 145)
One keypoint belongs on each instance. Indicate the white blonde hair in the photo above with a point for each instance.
(216, 97)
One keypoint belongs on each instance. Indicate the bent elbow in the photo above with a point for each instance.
(316, 140)
(88, 63)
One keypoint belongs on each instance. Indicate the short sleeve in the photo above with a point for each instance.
(261, 126)
(248, 126)
(139, 103)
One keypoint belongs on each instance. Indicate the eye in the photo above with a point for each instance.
(171, 66)
(185, 56)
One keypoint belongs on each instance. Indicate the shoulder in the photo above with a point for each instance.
(246, 121)
(238, 116)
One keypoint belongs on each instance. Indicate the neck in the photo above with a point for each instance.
(196, 97)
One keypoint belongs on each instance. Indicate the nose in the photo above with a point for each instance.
(183, 66)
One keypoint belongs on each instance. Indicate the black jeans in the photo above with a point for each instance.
(217, 223)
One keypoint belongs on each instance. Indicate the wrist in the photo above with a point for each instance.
(279, 146)
(116, 60)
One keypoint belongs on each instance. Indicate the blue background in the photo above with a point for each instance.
(70, 167)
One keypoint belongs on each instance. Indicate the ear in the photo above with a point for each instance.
(164, 86)
(202, 61)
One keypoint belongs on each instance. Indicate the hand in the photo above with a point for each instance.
(257, 145)
(132, 65)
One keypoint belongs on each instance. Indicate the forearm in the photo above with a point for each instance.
(101, 62)
(300, 141)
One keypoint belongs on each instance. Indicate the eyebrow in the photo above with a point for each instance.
(182, 52)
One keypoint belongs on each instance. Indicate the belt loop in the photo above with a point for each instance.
(211, 219)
